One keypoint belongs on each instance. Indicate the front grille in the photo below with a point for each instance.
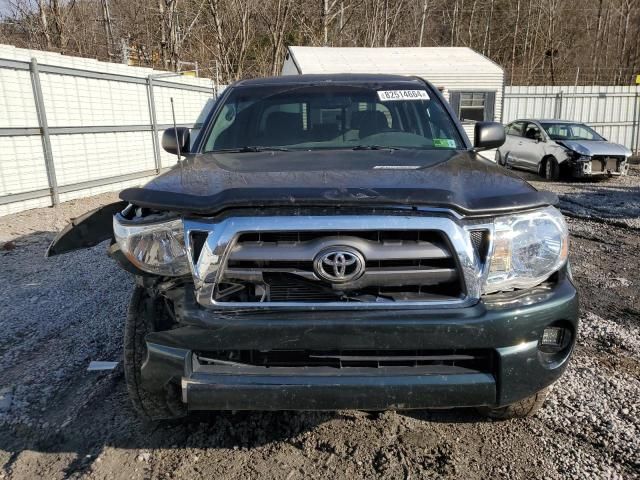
(602, 163)
(347, 261)
(478, 360)
(398, 265)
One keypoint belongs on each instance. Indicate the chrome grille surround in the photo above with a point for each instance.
(222, 234)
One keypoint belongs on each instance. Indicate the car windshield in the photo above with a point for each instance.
(570, 131)
(331, 117)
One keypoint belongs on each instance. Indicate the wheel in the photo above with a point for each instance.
(506, 162)
(551, 169)
(524, 408)
(500, 159)
(147, 313)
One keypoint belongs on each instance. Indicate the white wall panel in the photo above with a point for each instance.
(22, 167)
(17, 107)
(76, 100)
(87, 192)
(187, 104)
(16, 207)
(93, 156)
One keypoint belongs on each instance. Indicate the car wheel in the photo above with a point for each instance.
(146, 314)
(507, 162)
(524, 408)
(551, 169)
(499, 158)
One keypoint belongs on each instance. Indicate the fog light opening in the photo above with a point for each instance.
(554, 339)
(552, 336)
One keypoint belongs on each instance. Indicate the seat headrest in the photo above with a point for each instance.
(372, 122)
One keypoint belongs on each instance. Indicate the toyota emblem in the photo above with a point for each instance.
(339, 264)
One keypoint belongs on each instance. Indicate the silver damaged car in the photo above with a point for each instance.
(555, 147)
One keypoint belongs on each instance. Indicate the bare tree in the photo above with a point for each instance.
(108, 28)
(537, 41)
(423, 20)
(276, 18)
(485, 44)
(515, 41)
(44, 22)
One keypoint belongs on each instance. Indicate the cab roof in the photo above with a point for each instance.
(543, 120)
(309, 79)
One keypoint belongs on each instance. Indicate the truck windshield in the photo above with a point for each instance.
(331, 117)
(570, 131)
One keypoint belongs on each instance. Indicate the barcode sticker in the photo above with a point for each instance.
(390, 95)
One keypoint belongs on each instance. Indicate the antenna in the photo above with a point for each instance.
(217, 84)
(175, 131)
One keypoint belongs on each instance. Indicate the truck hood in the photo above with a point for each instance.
(209, 183)
(590, 148)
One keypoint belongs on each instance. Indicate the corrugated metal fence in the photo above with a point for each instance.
(72, 127)
(72, 131)
(613, 111)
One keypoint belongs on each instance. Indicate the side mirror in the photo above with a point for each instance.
(488, 135)
(176, 140)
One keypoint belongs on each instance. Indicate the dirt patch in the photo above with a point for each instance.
(59, 421)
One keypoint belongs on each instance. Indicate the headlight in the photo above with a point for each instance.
(527, 249)
(155, 247)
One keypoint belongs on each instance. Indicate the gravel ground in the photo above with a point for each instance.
(59, 421)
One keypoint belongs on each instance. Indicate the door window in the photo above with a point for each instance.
(532, 132)
(515, 129)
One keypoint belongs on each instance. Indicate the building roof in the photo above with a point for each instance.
(404, 61)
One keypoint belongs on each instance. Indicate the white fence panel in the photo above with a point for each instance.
(22, 168)
(97, 119)
(85, 102)
(94, 156)
(16, 99)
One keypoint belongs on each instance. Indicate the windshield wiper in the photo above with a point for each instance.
(257, 148)
(374, 147)
(251, 149)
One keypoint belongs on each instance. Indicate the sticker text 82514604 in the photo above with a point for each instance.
(390, 95)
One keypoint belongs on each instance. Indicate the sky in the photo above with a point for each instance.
(4, 7)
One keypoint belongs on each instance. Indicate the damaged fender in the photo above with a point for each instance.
(87, 230)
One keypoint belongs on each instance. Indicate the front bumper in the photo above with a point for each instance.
(509, 325)
(600, 168)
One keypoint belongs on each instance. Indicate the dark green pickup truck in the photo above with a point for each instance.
(335, 242)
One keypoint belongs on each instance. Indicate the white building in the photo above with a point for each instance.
(473, 84)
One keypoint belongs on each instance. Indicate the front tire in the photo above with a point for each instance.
(147, 313)
(522, 409)
(551, 169)
(500, 159)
